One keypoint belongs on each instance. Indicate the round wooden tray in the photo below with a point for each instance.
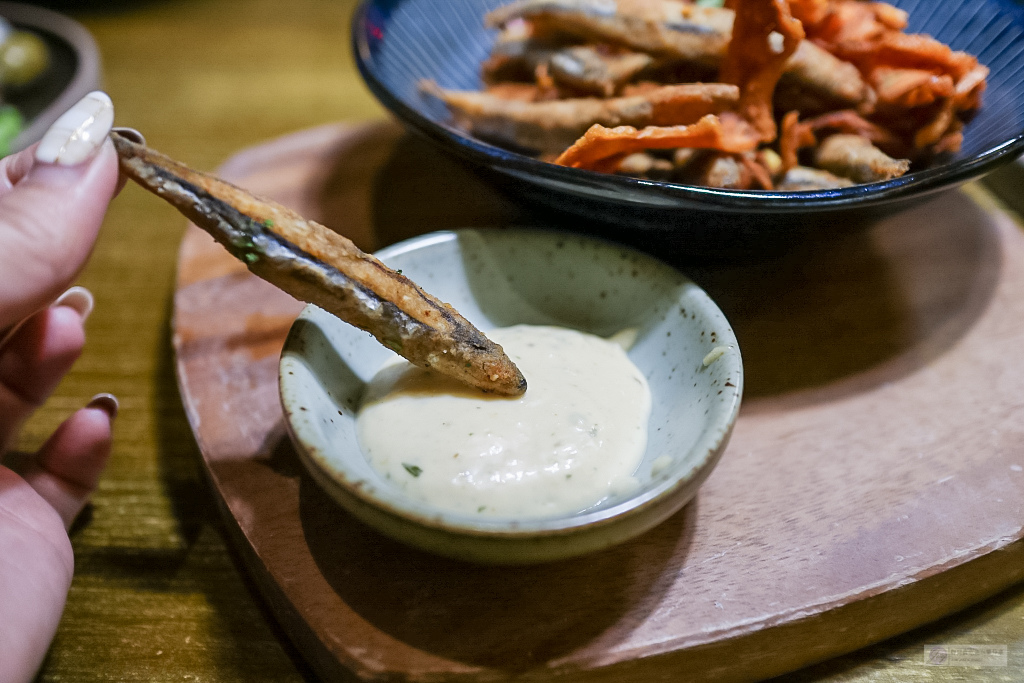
(874, 481)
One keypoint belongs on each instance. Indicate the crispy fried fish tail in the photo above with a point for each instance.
(317, 265)
(854, 157)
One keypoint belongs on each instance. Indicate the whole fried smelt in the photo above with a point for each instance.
(657, 27)
(764, 36)
(644, 165)
(602, 146)
(723, 171)
(829, 78)
(804, 178)
(585, 68)
(554, 125)
(319, 266)
(854, 157)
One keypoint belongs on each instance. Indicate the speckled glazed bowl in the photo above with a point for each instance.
(501, 278)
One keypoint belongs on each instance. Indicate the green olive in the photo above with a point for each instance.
(23, 57)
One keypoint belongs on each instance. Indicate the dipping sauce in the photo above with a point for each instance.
(573, 439)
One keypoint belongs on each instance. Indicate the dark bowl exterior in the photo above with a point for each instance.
(399, 42)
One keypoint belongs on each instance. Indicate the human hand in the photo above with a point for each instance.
(52, 200)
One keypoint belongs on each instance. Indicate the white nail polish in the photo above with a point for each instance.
(131, 134)
(78, 298)
(107, 402)
(79, 132)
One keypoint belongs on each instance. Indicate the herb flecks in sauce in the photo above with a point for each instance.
(573, 439)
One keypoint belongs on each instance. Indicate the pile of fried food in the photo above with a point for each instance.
(759, 94)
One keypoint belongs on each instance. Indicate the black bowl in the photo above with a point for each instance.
(399, 42)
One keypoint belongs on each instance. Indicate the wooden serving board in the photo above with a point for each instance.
(875, 479)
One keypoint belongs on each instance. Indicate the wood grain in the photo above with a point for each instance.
(873, 482)
(159, 594)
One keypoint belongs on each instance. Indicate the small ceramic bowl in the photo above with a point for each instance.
(501, 278)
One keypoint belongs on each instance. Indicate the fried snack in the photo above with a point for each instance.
(804, 178)
(592, 70)
(658, 27)
(809, 12)
(826, 78)
(910, 87)
(803, 71)
(319, 266)
(850, 122)
(671, 29)
(588, 69)
(854, 157)
(644, 165)
(755, 60)
(601, 147)
(793, 137)
(552, 126)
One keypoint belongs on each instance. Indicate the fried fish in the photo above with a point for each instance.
(319, 266)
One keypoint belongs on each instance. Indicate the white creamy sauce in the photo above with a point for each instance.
(574, 438)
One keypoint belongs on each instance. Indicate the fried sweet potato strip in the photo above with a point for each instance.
(319, 266)
(850, 22)
(601, 146)
(756, 59)
(967, 92)
(850, 122)
(793, 137)
(809, 12)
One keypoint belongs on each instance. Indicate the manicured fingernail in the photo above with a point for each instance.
(130, 134)
(78, 298)
(78, 133)
(105, 402)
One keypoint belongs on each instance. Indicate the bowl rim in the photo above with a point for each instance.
(676, 195)
(713, 441)
(88, 71)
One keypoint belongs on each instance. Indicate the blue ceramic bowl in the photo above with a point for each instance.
(399, 42)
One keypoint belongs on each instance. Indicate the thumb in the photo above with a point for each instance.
(50, 216)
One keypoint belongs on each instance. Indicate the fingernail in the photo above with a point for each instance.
(78, 133)
(105, 402)
(130, 134)
(78, 298)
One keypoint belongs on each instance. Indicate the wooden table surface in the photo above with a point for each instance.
(158, 594)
